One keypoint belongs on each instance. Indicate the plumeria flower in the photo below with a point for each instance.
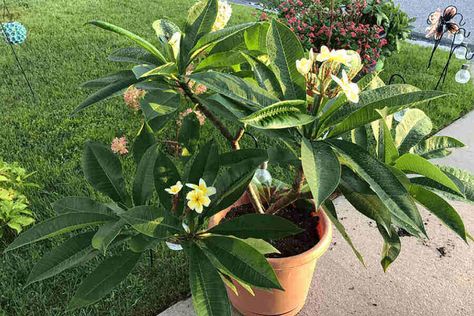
(174, 189)
(350, 89)
(119, 145)
(339, 56)
(324, 54)
(208, 191)
(304, 66)
(197, 200)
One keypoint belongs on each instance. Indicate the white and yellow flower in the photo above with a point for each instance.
(224, 12)
(208, 191)
(197, 200)
(324, 54)
(304, 66)
(175, 189)
(350, 89)
(341, 56)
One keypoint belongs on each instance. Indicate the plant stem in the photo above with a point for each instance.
(293, 195)
(234, 140)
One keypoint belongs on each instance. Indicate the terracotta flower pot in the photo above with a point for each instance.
(295, 274)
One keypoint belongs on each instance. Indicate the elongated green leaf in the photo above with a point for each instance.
(207, 288)
(165, 28)
(107, 91)
(414, 126)
(233, 159)
(104, 279)
(261, 246)
(391, 247)
(282, 114)
(321, 168)
(384, 183)
(224, 59)
(220, 35)
(143, 141)
(166, 174)
(58, 225)
(162, 70)
(103, 171)
(227, 108)
(151, 221)
(137, 39)
(359, 137)
(440, 208)
(364, 199)
(135, 55)
(265, 76)
(436, 147)
(257, 226)
(74, 251)
(189, 133)
(140, 243)
(415, 164)
(140, 70)
(330, 211)
(284, 49)
(243, 261)
(80, 204)
(106, 235)
(234, 88)
(159, 104)
(205, 164)
(465, 177)
(255, 38)
(143, 186)
(394, 97)
(107, 80)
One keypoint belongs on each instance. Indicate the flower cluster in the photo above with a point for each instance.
(350, 27)
(132, 97)
(199, 115)
(119, 145)
(198, 197)
(322, 70)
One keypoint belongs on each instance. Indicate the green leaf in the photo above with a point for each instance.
(283, 114)
(224, 59)
(110, 273)
(166, 174)
(394, 97)
(384, 183)
(270, 227)
(159, 104)
(189, 132)
(436, 147)
(234, 88)
(200, 20)
(321, 168)
(233, 159)
(359, 137)
(80, 204)
(284, 49)
(162, 70)
(71, 253)
(440, 208)
(137, 39)
(466, 178)
(265, 76)
(330, 211)
(135, 55)
(243, 261)
(391, 247)
(106, 235)
(415, 164)
(165, 28)
(414, 127)
(107, 91)
(261, 246)
(58, 225)
(226, 107)
(207, 288)
(220, 35)
(364, 199)
(205, 164)
(103, 170)
(256, 37)
(143, 141)
(151, 221)
(143, 186)
(107, 80)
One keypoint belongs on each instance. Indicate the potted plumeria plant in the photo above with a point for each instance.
(251, 76)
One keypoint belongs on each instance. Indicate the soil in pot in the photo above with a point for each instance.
(292, 245)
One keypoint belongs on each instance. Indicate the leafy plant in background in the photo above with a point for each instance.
(372, 28)
(14, 209)
(257, 76)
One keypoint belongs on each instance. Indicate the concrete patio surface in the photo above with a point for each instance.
(462, 129)
(431, 277)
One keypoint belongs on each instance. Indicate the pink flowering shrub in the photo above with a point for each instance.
(354, 25)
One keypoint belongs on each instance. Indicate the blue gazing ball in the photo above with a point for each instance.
(13, 32)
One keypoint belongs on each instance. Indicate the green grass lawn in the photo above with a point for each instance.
(60, 54)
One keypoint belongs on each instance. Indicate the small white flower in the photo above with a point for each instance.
(304, 66)
(173, 246)
(175, 189)
(208, 191)
(350, 89)
(185, 227)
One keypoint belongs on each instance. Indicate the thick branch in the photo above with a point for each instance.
(292, 196)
